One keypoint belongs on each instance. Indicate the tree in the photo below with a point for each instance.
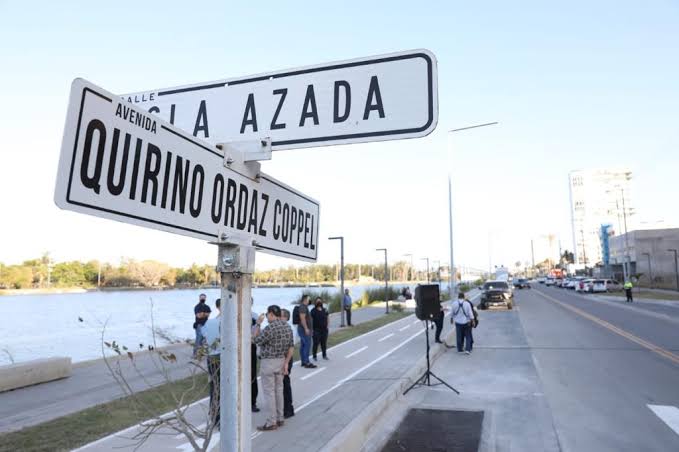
(567, 258)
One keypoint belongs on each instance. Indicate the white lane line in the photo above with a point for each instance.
(386, 337)
(405, 327)
(313, 373)
(668, 414)
(357, 372)
(356, 352)
(416, 321)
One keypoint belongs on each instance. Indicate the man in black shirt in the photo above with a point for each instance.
(202, 312)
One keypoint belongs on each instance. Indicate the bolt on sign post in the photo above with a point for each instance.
(198, 174)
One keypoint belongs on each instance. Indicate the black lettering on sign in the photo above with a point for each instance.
(283, 92)
(172, 107)
(309, 109)
(285, 222)
(93, 182)
(195, 207)
(181, 183)
(154, 109)
(166, 180)
(113, 187)
(250, 115)
(347, 101)
(376, 104)
(151, 174)
(293, 221)
(217, 189)
(300, 224)
(230, 211)
(201, 121)
(313, 247)
(253, 212)
(307, 215)
(135, 169)
(262, 231)
(242, 218)
(276, 226)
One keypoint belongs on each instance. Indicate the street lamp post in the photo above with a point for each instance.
(341, 239)
(438, 271)
(650, 271)
(676, 266)
(427, 259)
(451, 282)
(411, 266)
(386, 279)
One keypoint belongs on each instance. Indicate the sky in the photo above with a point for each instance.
(572, 85)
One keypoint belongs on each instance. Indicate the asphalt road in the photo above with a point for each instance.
(609, 370)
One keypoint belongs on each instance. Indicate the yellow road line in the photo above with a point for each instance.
(648, 345)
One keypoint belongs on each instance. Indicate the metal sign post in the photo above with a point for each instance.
(236, 265)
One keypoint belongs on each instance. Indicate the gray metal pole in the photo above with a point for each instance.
(451, 276)
(342, 281)
(650, 270)
(341, 239)
(236, 265)
(676, 267)
(386, 281)
(624, 216)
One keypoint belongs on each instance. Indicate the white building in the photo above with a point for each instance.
(598, 196)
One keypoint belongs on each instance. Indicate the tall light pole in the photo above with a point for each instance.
(438, 271)
(650, 271)
(676, 266)
(426, 259)
(341, 239)
(451, 283)
(411, 266)
(386, 278)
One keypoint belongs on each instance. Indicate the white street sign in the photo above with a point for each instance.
(121, 163)
(386, 97)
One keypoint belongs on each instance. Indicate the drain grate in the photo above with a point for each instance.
(424, 430)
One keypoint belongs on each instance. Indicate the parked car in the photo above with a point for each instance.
(521, 283)
(496, 293)
(584, 285)
(573, 283)
(550, 281)
(598, 286)
(613, 285)
(558, 282)
(542, 280)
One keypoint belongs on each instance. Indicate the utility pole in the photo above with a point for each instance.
(427, 259)
(341, 239)
(650, 270)
(532, 256)
(451, 284)
(624, 216)
(411, 273)
(386, 279)
(676, 266)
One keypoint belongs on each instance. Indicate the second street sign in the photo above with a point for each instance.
(386, 97)
(120, 162)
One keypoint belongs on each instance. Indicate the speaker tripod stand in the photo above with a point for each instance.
(425, 379)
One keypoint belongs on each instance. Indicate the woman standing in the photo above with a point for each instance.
(319, 315)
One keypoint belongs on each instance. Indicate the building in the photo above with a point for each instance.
(598, 197)
(651, 254)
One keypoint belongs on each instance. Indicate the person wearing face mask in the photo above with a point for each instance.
(319, 316)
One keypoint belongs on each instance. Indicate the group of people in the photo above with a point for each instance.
(272, 347)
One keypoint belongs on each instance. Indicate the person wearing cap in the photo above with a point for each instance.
(276, 346)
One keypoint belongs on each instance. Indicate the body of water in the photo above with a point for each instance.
(41, 326)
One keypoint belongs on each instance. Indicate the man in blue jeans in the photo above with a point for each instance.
(463, 316)
(304, 331)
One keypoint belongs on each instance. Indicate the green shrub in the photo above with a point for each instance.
(464, 288)
(397, 307)
(372, 295)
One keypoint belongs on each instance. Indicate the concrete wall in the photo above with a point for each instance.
(655, 242)
(15, 376)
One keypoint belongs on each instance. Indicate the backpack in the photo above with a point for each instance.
(295, 316)
(475, 313)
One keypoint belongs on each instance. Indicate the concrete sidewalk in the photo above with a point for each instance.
(91, 383)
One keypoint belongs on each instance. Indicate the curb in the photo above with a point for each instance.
(352, 436)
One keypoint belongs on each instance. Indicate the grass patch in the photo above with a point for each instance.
(77, 429)
(648, 294)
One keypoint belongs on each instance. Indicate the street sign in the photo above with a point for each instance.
(386, 97)
(119, 162)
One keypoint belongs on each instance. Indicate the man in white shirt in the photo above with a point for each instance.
(463, 317)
